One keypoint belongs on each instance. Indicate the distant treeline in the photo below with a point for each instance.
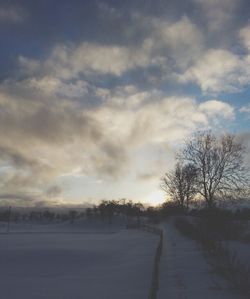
(106, 210)
(37, 215)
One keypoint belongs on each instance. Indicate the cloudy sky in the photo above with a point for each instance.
(97, 96)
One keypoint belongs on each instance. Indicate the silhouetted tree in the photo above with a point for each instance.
(136, 210)
(72, 215)
(89, 213)
(219, 163)
(180, 184)
(108, 208)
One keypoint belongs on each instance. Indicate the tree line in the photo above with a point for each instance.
(106, 210)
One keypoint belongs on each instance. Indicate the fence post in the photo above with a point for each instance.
(155, 276)
(9, 216)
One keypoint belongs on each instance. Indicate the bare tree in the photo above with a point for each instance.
(180, 184)
(219, 162)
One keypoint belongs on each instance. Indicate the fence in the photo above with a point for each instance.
(155, 273)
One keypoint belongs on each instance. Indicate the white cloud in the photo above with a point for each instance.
(180, 41)
(245, 36)
(176, 48)
(167, 119)
(53, 86)
(70, 61)
(29, 66)
(221, 70)
(215, 108)
(245, 109)
(217, 71)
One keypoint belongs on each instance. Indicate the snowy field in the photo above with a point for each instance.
(103, 263)
(78, 226)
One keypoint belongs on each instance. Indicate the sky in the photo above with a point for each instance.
(97, 96)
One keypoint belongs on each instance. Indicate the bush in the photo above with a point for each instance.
(171, 208)
(220, 223)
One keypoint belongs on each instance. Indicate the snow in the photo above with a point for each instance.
(184, 271)
(242, 250)
(93, 259)
(105, 263)
(79, 225)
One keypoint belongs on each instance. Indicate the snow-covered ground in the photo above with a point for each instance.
(79, 225)
(242, 250)
(185, 273)
(107, 263)
(93, 259)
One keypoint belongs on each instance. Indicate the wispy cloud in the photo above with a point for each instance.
(245, 109)
(12, 14)
(218, 13)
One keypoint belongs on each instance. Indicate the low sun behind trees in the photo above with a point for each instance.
(209, 167)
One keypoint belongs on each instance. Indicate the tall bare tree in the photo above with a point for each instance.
(180, 184)
(219, 162)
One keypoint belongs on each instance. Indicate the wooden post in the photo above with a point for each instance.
(9, 216)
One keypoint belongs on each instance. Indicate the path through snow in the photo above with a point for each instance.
(184, 272)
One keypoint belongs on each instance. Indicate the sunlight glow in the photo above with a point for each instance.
(155, 198)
